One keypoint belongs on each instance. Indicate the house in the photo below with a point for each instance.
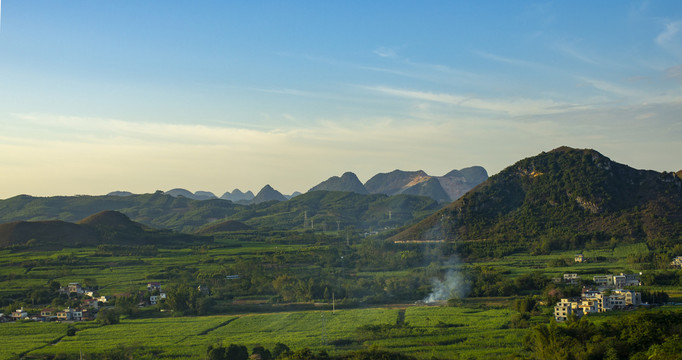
(617, 281)
(602, 281)
(565, 308)
(65, 315)
(91, 303)
(48, 313)
(579, 258)
(153, 300)
(677, 262)
(103, 299)
(151, 286)
(77, 314)
(632, 279)
(571, 278)
(87, 315)
(19, 314)
(89, 293)
(588, 306)
(630, 297)
(75, 288)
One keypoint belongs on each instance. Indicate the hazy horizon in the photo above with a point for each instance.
(142, 96)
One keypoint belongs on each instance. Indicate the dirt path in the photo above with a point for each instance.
(218, 326)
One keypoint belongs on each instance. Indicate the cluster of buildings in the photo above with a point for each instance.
(608, 296)
(593, 301)
(617, 281)
(51, 314)
(603, 281)
(89, 305)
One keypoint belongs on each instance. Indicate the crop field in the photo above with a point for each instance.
(21, 337)
(116, 274)
(445, 332)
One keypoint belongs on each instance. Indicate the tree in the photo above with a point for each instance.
(236, 352)
(108, 317)
(262, 352)
(280, 350)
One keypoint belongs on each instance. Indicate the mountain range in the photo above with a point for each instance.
(161, 210)
(562, 199)
(565, 198)
(446, 188)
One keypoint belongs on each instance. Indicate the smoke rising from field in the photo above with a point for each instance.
(452, 285)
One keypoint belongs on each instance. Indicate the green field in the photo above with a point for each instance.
(444, 332)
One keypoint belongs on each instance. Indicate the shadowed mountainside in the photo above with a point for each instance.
(566, 198)
(107, 227)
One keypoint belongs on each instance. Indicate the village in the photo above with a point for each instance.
(610, 295)
(89, 304)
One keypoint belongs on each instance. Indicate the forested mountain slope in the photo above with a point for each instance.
(566, 198)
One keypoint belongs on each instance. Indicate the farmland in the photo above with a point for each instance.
(443, 332)
(285, 292)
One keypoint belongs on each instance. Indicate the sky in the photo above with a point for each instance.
(98, 96)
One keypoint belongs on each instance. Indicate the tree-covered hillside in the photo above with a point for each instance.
(563, 199)
(160, 210)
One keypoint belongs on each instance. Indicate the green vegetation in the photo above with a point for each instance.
(639, 335)
(158, 210)
(287, 278)
(566, 199)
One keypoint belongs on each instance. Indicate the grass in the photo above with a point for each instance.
(471, 332)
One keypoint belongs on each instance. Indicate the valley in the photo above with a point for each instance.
(346, 274)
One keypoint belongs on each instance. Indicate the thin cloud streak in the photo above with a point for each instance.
(514, 107)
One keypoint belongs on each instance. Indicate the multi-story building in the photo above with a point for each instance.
(596, 301)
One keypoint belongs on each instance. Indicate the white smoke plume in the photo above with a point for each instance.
(452, 286)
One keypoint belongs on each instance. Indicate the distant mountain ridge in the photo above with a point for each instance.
(238, 196)
(562, 199)
(446, 188)
(348, 182)
(267, 193)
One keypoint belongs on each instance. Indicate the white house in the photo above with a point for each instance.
(19, 314)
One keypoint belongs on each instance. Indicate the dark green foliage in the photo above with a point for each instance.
(108, 317)
(159, 210)
(236, 352)
(262, 352)
(70, 331)
(564, 199)
(386, 331)
(644, 334)
(280, 350)
(109, 227)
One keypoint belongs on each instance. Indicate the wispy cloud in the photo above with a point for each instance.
(507, 60)
(572, 52)
(674, 72)
(511, 107)
(669, 33)
(386, 52)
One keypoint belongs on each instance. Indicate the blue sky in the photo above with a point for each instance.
(215, 95)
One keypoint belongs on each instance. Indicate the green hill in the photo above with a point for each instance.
(107, 227)
(324, 208)
(185, 215)
(223, 226)
(563, 199)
